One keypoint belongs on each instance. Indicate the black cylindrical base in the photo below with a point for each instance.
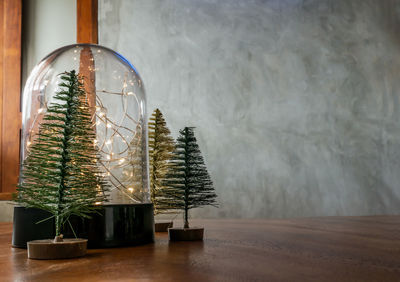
(121, 225)
(110, 226)
(27, 226)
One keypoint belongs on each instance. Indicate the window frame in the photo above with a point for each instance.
(10, 82)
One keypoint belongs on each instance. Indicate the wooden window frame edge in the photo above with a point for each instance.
(10, 94)
(87, 32)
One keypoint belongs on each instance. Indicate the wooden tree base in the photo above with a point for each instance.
(162, 226)
(186, 234)
(48, 249)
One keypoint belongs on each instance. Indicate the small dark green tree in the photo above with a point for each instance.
(161, 147)
(61, 174)
(188, 180)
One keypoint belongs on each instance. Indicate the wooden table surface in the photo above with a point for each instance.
(308, 249)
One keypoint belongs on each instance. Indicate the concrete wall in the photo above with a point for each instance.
(47, 25)
(296, 102)
(6, 211)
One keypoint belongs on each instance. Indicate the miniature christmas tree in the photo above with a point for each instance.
(133, 172)
(161, 147)
(61, 174)
(188, 179)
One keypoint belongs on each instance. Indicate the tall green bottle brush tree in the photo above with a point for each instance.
(188, 180)
(61, 174)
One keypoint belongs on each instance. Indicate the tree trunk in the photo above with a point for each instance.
(58, 239)
(58, 225)
(186, 219)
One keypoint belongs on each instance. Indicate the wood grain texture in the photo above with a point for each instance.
(87, 33)
(10, 82)
(87, 70)
(311, 249)
(2, 35)
(6, 196)
(87, 21)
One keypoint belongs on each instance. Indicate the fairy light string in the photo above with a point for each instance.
(117, 139)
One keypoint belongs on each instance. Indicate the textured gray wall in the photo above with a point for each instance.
(47, 25)
(296, 103)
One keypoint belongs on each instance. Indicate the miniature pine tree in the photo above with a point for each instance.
(133, 172)
(61, 174)
(161, 147)
(188, 179)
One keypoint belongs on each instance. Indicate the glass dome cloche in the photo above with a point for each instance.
(116, 103)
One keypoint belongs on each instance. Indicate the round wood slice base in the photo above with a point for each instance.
(47, 249)
(186, 234)
(162, 226)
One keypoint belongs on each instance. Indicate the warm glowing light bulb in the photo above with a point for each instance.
(40, 110)
(121, 161)
(108, 142)
(108, 125)
(28, 143)
(97, 203)
(130, 189)
(108, 157)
